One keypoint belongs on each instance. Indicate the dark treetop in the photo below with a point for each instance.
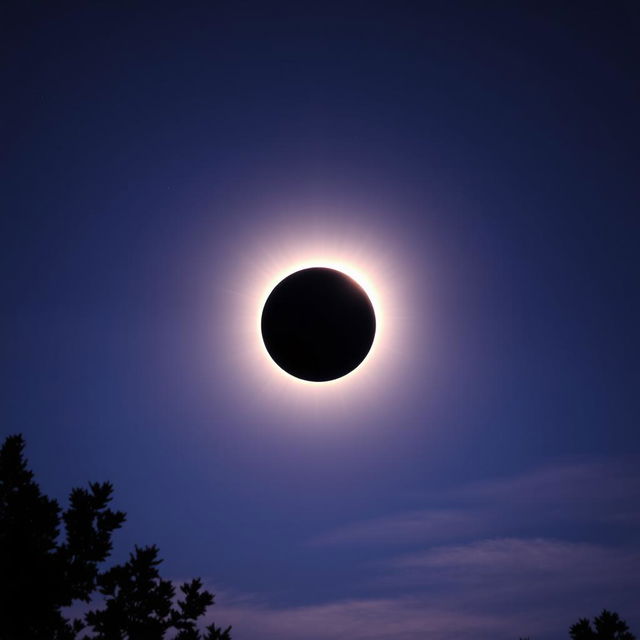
(41, 571)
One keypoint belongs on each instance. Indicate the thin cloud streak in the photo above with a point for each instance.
(523, 568)
(433, 524)
(469, 575)
(496, 589)
(595, 492)
(401, 618)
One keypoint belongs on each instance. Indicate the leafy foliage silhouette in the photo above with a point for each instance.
(608, 626)
(42, 572)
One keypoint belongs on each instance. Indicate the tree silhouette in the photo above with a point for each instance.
(139, 603)
(608, 626)
(42, 571)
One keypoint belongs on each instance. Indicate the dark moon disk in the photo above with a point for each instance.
(318, 324)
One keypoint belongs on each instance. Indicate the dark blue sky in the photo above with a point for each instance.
(483, 157)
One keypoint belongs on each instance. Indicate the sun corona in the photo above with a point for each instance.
(374, 261)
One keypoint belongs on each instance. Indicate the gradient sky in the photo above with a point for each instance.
(477, 162)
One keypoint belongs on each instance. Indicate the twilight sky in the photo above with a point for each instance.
(476, 163)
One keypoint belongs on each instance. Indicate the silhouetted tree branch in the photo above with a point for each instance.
(608, 626)
(40, 573)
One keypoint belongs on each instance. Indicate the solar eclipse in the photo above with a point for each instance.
(318, 324)
(374, 260)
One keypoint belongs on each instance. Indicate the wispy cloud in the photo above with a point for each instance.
(574, 493)
(498, 589)
(409, 526)
(519, 569)
(510, 557)
(400, 618)
(594, 490)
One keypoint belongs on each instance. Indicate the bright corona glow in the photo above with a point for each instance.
(374, 260)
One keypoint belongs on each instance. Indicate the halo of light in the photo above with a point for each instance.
(375, 260)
